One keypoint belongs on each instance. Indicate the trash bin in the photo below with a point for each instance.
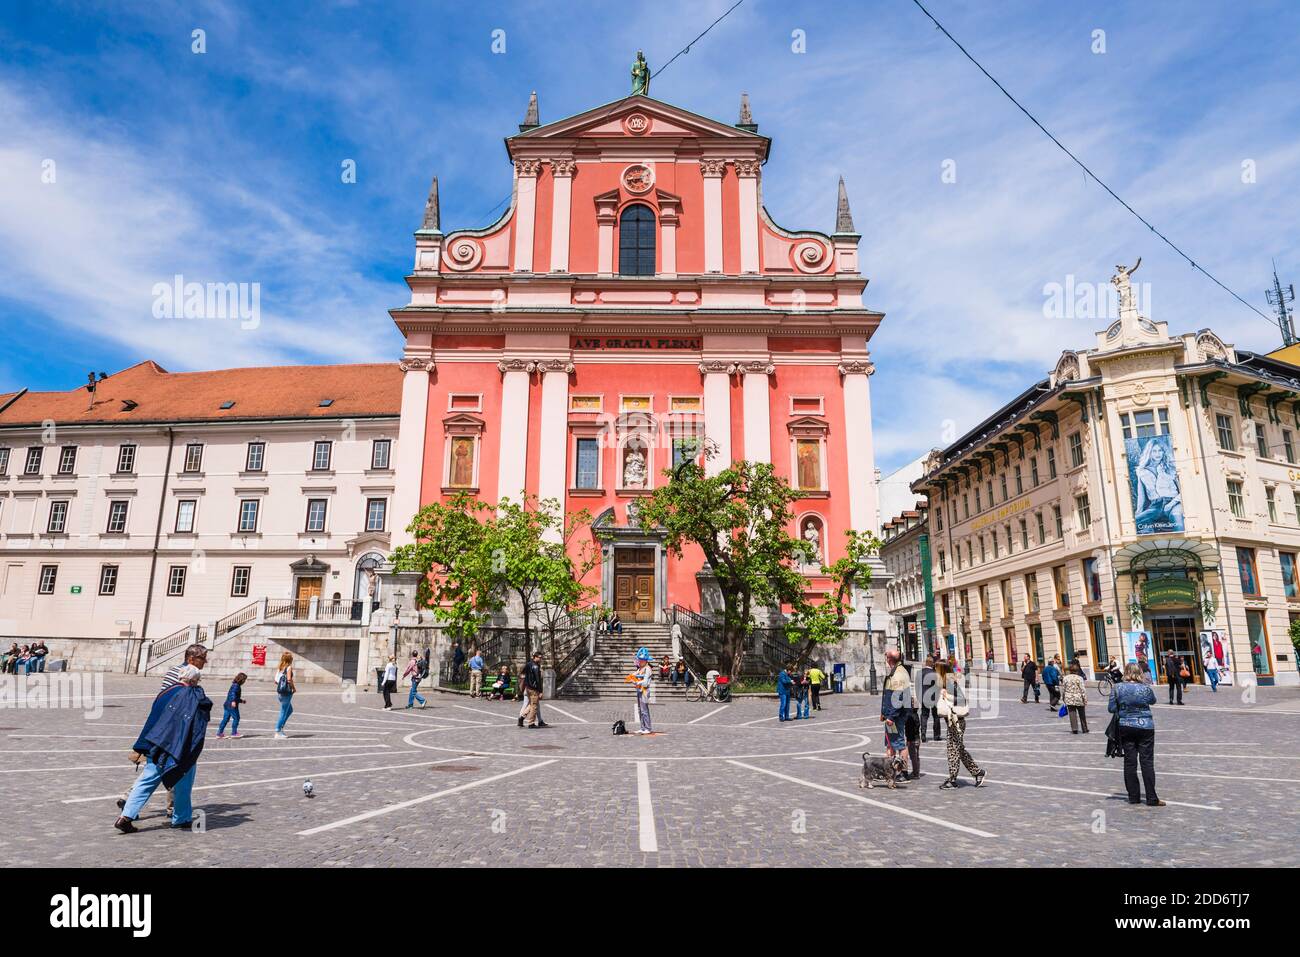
(839, 674)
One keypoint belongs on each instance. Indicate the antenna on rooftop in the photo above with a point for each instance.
(1279, 299)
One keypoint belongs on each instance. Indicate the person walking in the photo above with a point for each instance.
(532, 680)
(1029, 674)
(803, 691)
(1211, 672)
(415, 671)
(816, 677)
(895, 704)
(1052, 678)
(457, 659)
(1173, 665)
(171, 742)
(475, 674)
(231, 709)
(1130, 702)
(390, 682)
(1075, 696)
(644, 678)
(784, 685)
(929, 698)
(284, 690)
(954, 708)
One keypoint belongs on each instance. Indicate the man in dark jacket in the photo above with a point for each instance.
(929, 698)
(1029, 672)
(171, 741)
(895, 706)
(532, 681)
(1173, 665)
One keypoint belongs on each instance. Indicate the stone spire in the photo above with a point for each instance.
(431, 212)
(746, 121)
(843, 216)
(531, 121)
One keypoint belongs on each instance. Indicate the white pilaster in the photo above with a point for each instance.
(562, 184)
(747, 171)
(717, 412)
(553, 445)
(757, 411)
(864, 506)
(416, 365)
(713, 170)
(525, 212)
(513, 454)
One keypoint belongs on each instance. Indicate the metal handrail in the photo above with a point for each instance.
(236, 618)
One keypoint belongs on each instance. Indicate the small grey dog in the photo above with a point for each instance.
(879, 769)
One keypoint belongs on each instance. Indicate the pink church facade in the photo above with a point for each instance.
(635, 305)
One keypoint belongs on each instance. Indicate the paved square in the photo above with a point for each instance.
(459, 784)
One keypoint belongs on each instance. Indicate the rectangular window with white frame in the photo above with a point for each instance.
(176, 581)
(33, 465)
(239, 581)
(248, 515)
(255, 458)
(586, 468)
(108, 579)
(1075, 440)
(68, 460)
(315, 515)
(117, 510)
(1083, 511)
(185, 509)
(4, 462)
(376, 514)
(1236, 498)
(1225, 432)
(58, 519)
(320, 458)
(49, 575)
(193, 457)
(125, 459)
(381, 453)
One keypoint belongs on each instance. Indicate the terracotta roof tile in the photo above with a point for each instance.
(267, 392)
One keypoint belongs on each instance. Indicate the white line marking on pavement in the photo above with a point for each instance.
(1042, 787)
(389, 809)
(492, 714)
(746, 724)
(292, 777)
(354, 721)
(908, 812)
(567, 715)
(646, 811)
(709, 715)
(205, 763)
(212, 749)
(336, 742)
(1163, 754)
(1253, 778)
(440, 717)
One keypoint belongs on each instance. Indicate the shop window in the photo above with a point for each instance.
(1247, 571)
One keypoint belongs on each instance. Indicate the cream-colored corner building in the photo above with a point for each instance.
(1144, 497)
(905, 553)
(165, 501)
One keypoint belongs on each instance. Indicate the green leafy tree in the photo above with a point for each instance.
(821, 624)
(740, 519)
(475, 556)
(1295, 640)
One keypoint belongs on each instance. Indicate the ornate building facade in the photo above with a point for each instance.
(1143, 498)
(635, 305)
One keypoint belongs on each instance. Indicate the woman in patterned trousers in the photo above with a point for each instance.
(953, 706)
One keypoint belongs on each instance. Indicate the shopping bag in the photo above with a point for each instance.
(1063, 712)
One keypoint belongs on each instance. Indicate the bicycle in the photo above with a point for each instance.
(717, 690)
(1105, 685)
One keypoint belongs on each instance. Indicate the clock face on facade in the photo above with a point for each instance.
(638, 178)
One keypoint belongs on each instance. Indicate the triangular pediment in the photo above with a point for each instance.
(618, 119)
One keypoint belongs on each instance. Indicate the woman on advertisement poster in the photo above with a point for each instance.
(1214, 648)
(1157, 496)
(1137, 650)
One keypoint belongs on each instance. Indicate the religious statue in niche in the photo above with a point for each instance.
(634, 467)
(812, 534)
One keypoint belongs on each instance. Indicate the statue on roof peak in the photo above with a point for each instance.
(640, 75)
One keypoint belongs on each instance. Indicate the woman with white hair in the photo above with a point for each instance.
(171, 742)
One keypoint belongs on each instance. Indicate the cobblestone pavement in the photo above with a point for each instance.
(459, 784)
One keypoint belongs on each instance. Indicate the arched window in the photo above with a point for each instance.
(636, 241)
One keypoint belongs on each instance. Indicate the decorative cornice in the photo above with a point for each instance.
(857, 367)
(416, 364)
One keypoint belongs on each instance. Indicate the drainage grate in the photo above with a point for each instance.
(455, 768)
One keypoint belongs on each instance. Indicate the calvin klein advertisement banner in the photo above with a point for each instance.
(1153, 481)
(1215, 651)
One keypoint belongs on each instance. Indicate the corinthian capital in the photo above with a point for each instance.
(747, 167)
(528, 167)
(713, 167)
(563, 167)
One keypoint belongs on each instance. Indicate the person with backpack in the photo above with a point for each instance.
(284, 690)
(953, 707)
(417, 671)
(231, 711)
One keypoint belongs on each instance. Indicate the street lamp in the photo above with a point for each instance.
(871, 647)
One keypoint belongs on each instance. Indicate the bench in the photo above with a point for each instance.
(487, 691)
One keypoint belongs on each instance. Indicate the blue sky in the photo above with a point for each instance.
(225, 166)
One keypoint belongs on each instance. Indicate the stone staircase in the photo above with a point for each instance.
(602, 675)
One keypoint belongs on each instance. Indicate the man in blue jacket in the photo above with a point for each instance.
(784, 685)
(171, 741)
(1052, 678)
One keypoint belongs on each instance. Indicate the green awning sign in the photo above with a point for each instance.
(1169, 591)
